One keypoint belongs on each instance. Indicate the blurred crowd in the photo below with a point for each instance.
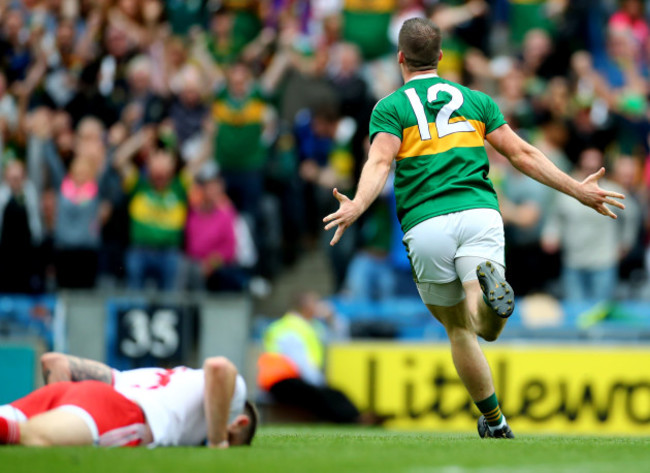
(194, 144)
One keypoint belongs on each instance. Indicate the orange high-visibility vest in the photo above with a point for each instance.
(273, 368)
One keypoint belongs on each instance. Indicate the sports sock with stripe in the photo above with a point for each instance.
(490, 409)
(9, 431)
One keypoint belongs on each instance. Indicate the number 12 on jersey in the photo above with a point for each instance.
(443, 125)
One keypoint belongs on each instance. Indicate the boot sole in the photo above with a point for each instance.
(498, 293)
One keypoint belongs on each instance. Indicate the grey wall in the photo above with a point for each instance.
(85, 324)
(223, 325)
(224, 329)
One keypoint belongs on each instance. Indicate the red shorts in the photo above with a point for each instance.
(113, 419)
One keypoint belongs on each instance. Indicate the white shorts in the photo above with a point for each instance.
(445, 250)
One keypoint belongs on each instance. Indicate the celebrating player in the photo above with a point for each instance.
(435, 130)
(86, 402)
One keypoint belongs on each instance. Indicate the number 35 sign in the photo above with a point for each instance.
(149, 334)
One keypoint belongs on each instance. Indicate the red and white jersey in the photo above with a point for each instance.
(172, 401)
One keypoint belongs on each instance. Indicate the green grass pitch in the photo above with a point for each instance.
(356, 450)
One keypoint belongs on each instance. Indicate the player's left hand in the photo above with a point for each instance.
(345, 216)
(596, 198)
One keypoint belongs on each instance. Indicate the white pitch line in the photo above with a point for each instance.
(586, 467)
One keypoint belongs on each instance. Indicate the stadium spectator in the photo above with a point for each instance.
(538, 61)
(169, 64)
(551, 139)
(105, 78)
(284, 184)
(242, 116)
(370, 275)
(325, 149)
(16, 55)
(188, 109)
(316, 132)
(21, 232)
(512, 99)
(367, 26)
(463, 24)
(523, 203)
(211, 239)
(222, 43)
(128, 16)
(620, 59)
(589, 264)
(81, 212)
(627, 174)
(404, 10)
(630, 19)
(157, 210)
(247, 22)
(557, 99)
(143, 106)
(525, 16)
(8, 112)
(63, 63)
(301, 69)
(352, 90)
(353, 95)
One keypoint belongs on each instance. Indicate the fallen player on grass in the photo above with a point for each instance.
(86, 402)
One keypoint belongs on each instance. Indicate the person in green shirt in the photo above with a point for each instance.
(222, 43)
(435, 130)
(366, 25)
(157, 211)
(246, 22)
(241, 116)
(526, 15)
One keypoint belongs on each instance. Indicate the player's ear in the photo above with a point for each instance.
(242, 421)
(440, 56)
(400, 57)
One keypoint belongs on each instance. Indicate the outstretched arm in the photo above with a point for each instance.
(59, 367)
(220, 377)
(125, 152)
(383, 150)
(532, 162)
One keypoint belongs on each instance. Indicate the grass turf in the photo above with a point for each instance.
(340, 450)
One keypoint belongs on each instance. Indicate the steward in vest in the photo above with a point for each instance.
(291, 368)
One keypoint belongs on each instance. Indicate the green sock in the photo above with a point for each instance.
(490, 409)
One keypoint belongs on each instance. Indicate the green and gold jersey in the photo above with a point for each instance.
(157, 218)
(442, 166)
(365, 23)
(240, 124)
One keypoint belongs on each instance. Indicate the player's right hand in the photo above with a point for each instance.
(596, 198)
(220, 446)
(345, 216)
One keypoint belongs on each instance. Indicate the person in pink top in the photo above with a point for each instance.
(630, 18)
(211, 239)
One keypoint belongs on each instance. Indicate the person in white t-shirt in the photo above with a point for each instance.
(87, 402)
